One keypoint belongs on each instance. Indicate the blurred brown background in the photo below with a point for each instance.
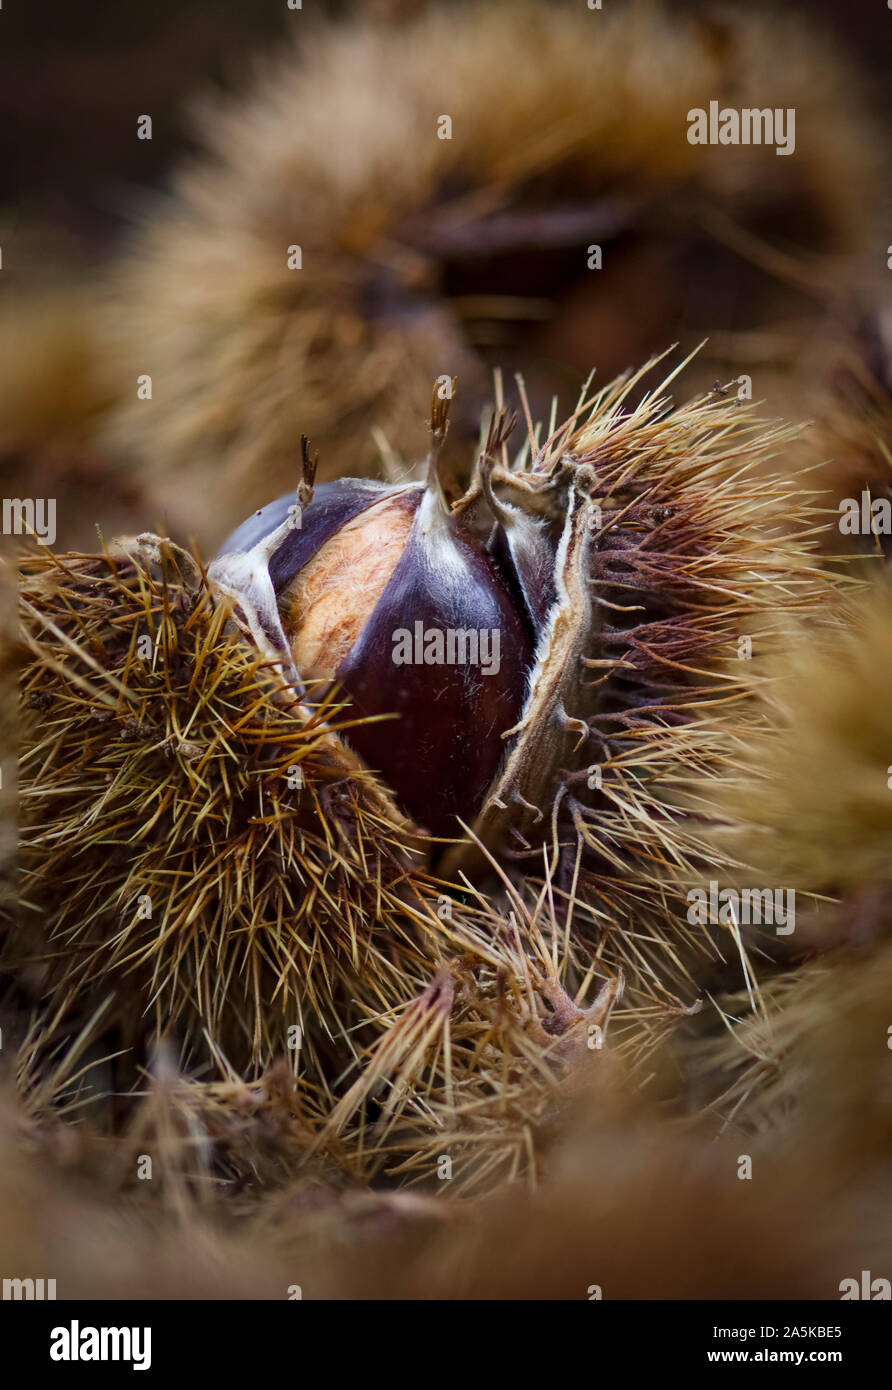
(73, 77)
(76, 182)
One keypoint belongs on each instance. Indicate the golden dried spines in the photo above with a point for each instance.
(193, 841)
(671, 552)
(203, 858)
(688, 538)
(204, 850)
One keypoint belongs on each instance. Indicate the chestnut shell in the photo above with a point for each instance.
(441, 750)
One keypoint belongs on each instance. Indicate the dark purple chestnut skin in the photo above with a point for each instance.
(442, 754)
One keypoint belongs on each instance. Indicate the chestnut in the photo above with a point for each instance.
(429, 615)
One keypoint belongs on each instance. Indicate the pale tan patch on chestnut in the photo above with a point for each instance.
(327, 604)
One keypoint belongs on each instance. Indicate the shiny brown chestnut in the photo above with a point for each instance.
(426, 611)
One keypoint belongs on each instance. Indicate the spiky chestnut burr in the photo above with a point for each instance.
(203, 856)
(164, 718)
(604, 568)
(218, 856)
